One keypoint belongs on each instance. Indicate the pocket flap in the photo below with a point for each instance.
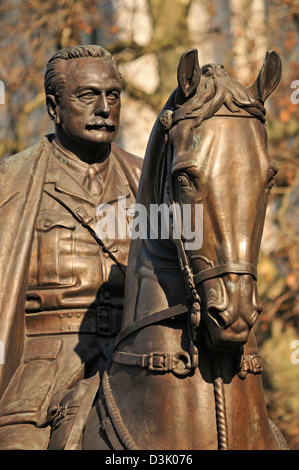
(49, 220)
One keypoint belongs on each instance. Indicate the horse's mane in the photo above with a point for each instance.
(216, 88)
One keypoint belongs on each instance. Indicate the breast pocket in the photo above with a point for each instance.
(55, 249)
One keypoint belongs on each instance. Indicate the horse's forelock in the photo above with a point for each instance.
(214, 91)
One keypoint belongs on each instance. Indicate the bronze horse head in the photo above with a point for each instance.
(176, 380)
(223, 164)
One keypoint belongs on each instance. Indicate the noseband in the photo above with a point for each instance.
(227, 268)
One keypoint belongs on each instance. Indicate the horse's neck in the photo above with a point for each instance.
(160, 282)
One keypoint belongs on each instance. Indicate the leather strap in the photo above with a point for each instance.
(150, 319)
(236, 268)
(157, 361)
(75, 434)
(102, 320)
(179, 363)
(80, 214)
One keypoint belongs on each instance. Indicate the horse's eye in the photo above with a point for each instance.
(271, 180)
(183, 181)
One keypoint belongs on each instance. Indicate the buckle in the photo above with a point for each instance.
(104, 321)
(179, 364)
(256, 364)
(158, 362)
(83, 216)
(183, 366)
(251, 364)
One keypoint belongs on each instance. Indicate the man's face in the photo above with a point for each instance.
(88, 112)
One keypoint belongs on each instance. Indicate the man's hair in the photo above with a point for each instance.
(55, 78)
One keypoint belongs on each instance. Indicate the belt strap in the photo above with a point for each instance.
(103, 321)
(178, 363)
(156, 361)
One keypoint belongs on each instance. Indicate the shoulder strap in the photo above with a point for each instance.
(80, 214)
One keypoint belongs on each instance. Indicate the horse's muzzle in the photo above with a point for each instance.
(230, 308)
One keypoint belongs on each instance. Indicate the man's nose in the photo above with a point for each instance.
(102, 106)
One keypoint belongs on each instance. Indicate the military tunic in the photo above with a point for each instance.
(73, 306)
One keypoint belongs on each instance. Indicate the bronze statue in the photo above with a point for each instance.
(185, 372)
(61, 284)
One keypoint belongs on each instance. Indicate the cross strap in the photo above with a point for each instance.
(87, 221)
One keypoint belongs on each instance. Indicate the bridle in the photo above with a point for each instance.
(165, 362)
(183, 363)
(192, 280)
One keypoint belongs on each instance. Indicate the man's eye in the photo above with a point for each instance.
(87, 96)
(113, 98)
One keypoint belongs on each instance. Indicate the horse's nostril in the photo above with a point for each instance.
(220, 318)
(253, 318)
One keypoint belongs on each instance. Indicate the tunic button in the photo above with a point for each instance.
(47, 223)
(106, 294)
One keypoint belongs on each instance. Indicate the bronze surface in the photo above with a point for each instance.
(186, 370)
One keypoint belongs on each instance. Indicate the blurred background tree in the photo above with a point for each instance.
(147, 38)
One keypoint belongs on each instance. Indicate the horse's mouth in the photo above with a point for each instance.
(224, 339)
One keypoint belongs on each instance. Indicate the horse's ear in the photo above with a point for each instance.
(189, 72)
(268, 77)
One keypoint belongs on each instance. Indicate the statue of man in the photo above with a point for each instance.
(61, 288)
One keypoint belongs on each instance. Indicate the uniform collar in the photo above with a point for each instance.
(68, 173)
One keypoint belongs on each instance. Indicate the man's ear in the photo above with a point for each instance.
(53, 108)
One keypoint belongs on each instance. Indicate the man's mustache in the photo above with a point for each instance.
(97, 123)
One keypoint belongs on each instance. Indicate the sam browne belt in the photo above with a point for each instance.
(101, 321)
